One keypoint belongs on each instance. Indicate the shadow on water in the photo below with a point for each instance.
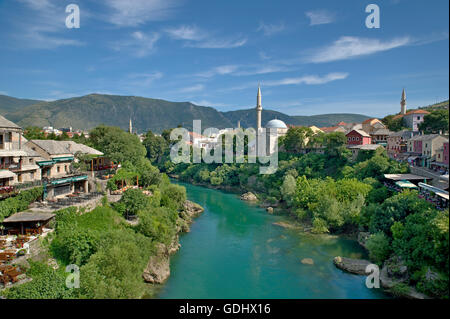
(234, 251)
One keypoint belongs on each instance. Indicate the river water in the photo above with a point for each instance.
(234, 251)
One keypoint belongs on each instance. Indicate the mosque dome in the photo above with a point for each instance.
(276, 124)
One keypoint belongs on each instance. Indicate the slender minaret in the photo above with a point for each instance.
(258, 109)
(130, 127)
(403, 103)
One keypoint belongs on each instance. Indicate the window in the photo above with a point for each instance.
(1, 142)
(58, 169)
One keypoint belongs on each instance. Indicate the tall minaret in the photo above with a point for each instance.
(403, 103)
(130, 127)
(258, 109)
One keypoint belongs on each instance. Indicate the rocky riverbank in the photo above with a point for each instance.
(158, 267)
(393, 275)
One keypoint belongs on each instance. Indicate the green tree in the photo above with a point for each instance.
(288, 188)
(393, 123)
(116, 144)
(155, 145)
(434, 122)
(34, 133)
(134, 201)
(296, 139)
(379, 247)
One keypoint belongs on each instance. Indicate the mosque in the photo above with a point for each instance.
(274, 128)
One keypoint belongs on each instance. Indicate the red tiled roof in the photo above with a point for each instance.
(329, 129)
(369, 120)
(342, 123)
(418, 112)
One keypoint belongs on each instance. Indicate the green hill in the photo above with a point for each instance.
(11, 104)
(91, 110)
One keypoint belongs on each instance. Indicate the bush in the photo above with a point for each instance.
(399, 290)
(379, 247)
(134, 201)
(173, 196)
(319, 226)
(158, 223)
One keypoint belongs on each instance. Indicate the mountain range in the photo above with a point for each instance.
(88, 111)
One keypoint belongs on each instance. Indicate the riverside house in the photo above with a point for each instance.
(17, 162)
(56, 163)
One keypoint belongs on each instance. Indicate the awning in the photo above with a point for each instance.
(45, 163)
(412, 158)
(68, 180)
(63, 159)
(405, 184)
(406, 177)
(80, 178)
(62, 181)
(4, 173)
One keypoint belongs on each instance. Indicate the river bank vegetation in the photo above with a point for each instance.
(335, 194)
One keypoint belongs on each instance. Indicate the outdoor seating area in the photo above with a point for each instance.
(69, 200)
(434, 195)
(123, 189)
(11, 247)
(10, 274)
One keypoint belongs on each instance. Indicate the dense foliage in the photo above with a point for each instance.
(435, 122)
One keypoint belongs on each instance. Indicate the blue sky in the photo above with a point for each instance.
(311, 57)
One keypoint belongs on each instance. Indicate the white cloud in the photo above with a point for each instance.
(140, 44)
(184, 32)
(132, 13)
(271, 29)
(219, 70)
(218, 43)
(144, 79)
(317, 17)
(195, 37)
(192, 89)
(243, 70)
(265, 69)
(350, 47)
(308, 79)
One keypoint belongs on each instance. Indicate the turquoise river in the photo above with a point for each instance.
(235, 251)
